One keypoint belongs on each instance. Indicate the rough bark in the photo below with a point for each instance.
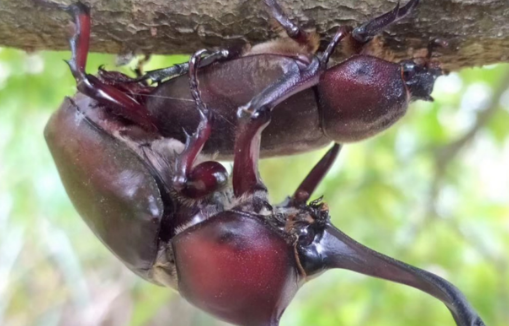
(478, 30)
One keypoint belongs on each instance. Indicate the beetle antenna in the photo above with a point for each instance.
(434, 44)
(427, 61)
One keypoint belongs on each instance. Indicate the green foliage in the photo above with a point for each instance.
(388, 193)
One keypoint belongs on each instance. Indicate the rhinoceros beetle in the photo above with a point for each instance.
(315, 104)
(175, 218)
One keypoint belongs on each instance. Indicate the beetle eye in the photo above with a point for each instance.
(408, 69)
(408, 74)
(306, 236)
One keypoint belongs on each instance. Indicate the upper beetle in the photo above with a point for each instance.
(314, 104)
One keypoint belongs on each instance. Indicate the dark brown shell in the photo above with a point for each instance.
(108, 184)
(236, 260)
(295, 125)
(361, 97)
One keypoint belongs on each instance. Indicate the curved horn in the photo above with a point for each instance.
(334, 249)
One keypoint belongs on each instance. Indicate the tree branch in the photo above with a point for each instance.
(478, 30)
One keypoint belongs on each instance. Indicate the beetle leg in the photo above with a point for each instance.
(294, 31)
(294, 81)
(366, 31)
(255, 116)
(359, 36)
(158, 75)
(435, 44)
(315, 176)
(207, 177)
(342, 32)
(246, 179)
(331, 248)
(123, 83)
(107, 95)
(140, 64)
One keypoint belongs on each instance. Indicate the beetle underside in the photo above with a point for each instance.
(176, 219)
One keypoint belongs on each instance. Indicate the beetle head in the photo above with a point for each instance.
(420, 78)
(420, 74)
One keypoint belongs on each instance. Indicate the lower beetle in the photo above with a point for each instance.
(315, 104)
(174, 219)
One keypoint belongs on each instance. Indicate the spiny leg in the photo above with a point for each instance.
(233, 50)
(366, 31)
(159, 75)
(124, 83)
(140, 64)
(246, 179)
(80, 40)
(334, 249)
(296, 79)
(431, 64)
(121, 103)
(293, 30)
(434, 44)
(341, 33)
(359, 35)
(255, 116)
(207, 177)
(315, 176)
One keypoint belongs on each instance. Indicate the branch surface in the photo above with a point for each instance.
(478, 30)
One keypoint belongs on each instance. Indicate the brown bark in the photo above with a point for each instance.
(478, 30)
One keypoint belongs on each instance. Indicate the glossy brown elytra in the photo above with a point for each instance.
(174, 219)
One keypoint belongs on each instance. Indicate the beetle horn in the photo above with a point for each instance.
(332, 248)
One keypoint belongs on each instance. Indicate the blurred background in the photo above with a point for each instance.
(433, 191)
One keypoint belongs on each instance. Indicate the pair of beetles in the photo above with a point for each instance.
(135, 157)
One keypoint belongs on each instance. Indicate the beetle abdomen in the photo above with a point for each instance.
(295, 125)
(361, 97)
